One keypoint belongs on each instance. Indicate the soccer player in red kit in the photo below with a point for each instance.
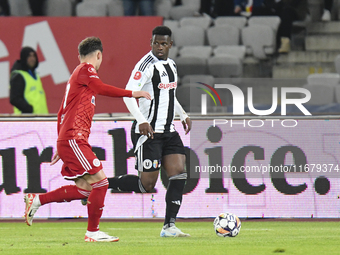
(74, 123)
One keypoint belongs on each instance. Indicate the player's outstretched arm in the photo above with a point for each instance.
(139, 94)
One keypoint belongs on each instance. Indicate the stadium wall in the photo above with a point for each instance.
(125, 41)
(310, 189)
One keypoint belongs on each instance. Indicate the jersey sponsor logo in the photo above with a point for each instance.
(147, 163)
(138, 75)
(94, 76)
(96, 162)
(92, 70)
(170, 85)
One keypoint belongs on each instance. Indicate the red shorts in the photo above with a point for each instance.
(78, 158)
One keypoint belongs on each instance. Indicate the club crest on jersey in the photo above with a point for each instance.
(170, 85)
(93, 100)
(92, 70)
(96, 162)
(147, 164)
(138, 75)
(156, 164)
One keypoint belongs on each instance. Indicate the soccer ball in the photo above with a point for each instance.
(227, 225)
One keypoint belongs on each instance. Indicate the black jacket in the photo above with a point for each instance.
(17, 82)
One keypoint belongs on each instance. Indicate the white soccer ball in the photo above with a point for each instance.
(227, 225)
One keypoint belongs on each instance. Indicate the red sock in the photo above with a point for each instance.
(95, 204)
(63, 194)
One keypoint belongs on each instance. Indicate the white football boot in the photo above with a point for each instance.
(172, 231)
(99, 236)
(32, 205)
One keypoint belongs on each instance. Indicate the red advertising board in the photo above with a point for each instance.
(125, 41)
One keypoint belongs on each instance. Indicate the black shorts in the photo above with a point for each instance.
(149, 154)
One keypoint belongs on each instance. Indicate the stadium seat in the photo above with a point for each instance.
(194, 78)
(272, 21)
(195, 4)
(337, 64)
(58, 8)
(238, 22)
(19, 7)
(324, 79)
(162, 8)
(91, 9)
(337, 94)
(187, 9)
(191, 65)
(178, 12)
(303, 23)
(183, 96)
(115, 8)
(196, 51)
(189, 35)
(321, 94)
(193, 60)
(203, 22)
(173, 25)
(224, 35)
(234, 50)
(188, 95)
(173, 52)
(225, 66)
(259, 46)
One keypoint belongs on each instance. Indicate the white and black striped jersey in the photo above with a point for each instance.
(159, 78)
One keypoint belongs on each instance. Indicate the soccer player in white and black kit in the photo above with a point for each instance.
(155, 139)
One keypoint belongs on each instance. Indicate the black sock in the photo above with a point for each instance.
(126, 182)
(173, 200)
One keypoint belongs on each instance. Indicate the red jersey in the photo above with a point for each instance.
(77, 108)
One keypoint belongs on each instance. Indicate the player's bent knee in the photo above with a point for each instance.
(181, 176)
(83, 184)
(149, 187)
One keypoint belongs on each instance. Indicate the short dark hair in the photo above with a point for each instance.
(161, 30)
(89, 45)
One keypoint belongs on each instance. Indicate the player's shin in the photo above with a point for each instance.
(95, 204)
(64, 194)
(173, 198)
(126, 182)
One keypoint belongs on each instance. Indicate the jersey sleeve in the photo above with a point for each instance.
(88, 76)
(179, 110)
(138, 78)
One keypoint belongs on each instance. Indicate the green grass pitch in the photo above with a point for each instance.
(256, 237)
